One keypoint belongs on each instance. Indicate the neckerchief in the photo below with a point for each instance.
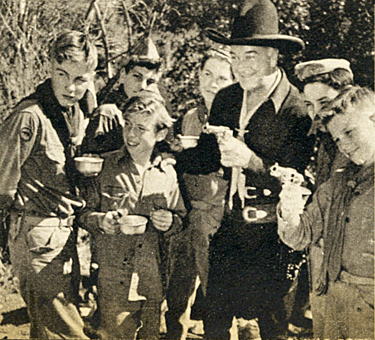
(238, 179)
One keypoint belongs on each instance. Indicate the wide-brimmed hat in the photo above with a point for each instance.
(257, 24)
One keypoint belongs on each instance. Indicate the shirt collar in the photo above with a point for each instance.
(123, 158)
(280, 91)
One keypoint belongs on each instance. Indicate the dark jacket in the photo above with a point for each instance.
(277, 132)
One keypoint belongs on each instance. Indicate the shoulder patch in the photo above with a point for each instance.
(26, 134)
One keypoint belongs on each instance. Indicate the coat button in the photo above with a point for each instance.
(347, 219)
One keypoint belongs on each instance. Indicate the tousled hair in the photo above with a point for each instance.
(74, 46)
(351, 96)
(149, 103)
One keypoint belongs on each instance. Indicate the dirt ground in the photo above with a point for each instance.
(14, 323)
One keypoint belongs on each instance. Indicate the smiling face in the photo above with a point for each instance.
(140, 78)
(215, 75)
(316, 95)
(70, 80)
(354, 133)
(140, 135)
(252, 63)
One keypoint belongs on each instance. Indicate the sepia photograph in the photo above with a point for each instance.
(187, 169)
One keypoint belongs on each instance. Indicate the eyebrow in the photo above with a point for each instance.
(61, 70)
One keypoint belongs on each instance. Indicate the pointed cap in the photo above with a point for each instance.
(145, 51)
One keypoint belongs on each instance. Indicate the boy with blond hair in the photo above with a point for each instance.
(342, 212)
(134, 181)
(38, 186)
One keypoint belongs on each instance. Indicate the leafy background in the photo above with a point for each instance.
(330, 28)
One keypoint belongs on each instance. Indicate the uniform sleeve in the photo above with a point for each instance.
(18, 134)
(90, 217)
(310, 226)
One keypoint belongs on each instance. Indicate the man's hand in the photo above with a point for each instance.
(234, 153)
(161, 219)
(110, 117)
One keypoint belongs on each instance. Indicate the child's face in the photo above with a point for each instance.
(354, 133)
(70, 81)
(316, 95)
(215, 75)
(140, 135)
(140, 78)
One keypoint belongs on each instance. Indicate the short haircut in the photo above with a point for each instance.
(149, 64)
(149, 103)
(75, 46)
(220, 54)
(337, 79)
(351, 96)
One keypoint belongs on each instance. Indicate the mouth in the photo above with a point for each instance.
(131, 144)
(69, 98)
(351, 153)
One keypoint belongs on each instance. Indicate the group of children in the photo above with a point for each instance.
(40, 186)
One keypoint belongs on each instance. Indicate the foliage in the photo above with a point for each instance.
(330, 28)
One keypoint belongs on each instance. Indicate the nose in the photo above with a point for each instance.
(70, 87)
(343, 145)
(214, 83)
(144, 85)
(131, 131)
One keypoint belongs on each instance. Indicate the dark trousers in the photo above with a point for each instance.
(247, 278)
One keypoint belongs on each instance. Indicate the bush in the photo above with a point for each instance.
(330, 28)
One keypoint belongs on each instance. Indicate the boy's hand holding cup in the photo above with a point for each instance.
(161, 219)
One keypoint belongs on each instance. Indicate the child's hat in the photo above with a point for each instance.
(316, 67)
(144, 51)
(257, 24)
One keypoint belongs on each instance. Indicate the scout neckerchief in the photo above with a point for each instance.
(238, 181)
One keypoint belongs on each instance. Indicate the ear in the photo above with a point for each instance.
(161, 134)
(372, 118)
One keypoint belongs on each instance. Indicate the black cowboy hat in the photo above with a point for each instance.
(257, 24)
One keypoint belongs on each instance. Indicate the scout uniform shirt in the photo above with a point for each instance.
(121, 256)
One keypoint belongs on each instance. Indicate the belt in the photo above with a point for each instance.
(49, 221)
(354, 279)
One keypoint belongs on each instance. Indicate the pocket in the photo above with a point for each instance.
(42, 240)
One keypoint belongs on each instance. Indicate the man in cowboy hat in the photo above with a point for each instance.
(141, 72)
(248, 275)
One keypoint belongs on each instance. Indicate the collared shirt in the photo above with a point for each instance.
(36, 154)
(277, 132)
(357, 256)
(121, 256)
(155, 188)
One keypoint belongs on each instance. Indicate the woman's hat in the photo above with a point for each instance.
(316, 67)
(257, 24)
